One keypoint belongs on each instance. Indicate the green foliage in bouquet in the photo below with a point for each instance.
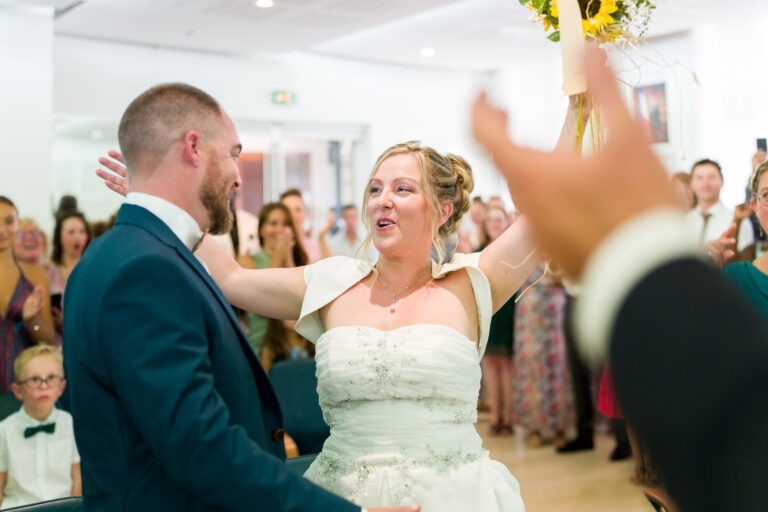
(606, 21)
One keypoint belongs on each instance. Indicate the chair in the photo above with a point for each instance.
(9, 404)
(300, 464)
(295, 384)
(74, 504)
(660, 500)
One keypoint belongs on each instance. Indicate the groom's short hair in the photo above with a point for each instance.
(160, 116)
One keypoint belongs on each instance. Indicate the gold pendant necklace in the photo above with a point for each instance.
(394, 295)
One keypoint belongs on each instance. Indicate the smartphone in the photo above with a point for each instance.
(761, 144)
(56, 301)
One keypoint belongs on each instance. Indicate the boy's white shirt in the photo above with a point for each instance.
(34, 478)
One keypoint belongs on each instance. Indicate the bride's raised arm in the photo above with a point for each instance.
(271, 292)
(510, 259)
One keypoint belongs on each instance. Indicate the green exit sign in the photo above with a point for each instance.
(283, 98)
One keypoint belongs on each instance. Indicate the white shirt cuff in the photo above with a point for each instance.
(625, 257)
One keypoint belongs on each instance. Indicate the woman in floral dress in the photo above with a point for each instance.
(543, 403)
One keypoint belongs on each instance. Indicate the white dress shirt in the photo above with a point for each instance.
(179, 221)
(720, 219)
(340, 245)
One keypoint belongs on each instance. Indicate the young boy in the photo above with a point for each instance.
(38, 457)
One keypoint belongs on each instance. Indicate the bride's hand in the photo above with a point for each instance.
(117, 179)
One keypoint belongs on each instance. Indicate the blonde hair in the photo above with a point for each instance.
(30, 223)
(755, 179)
(445, 179)
(29, 354)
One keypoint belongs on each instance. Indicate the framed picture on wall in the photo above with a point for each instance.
(651, 109)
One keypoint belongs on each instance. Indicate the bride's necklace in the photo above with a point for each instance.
(394, 295)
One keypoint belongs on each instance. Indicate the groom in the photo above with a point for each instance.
(172, 409)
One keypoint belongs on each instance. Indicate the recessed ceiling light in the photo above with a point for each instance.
(427, 52)
(264, 4)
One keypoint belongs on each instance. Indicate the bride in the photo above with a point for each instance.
(399, 342)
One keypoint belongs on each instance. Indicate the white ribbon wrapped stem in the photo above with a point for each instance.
(572, 47)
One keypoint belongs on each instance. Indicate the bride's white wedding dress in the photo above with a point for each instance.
(401, 405)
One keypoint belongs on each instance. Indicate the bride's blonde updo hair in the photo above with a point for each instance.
(445, 179)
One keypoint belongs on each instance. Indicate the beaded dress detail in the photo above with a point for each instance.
(401, 405)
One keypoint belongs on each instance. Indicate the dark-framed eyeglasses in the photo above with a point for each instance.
(37, 382)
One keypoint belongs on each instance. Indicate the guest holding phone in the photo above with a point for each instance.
(70, 238)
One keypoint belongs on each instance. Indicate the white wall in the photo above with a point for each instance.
(374, 105)
(732, 101)
(716, 84)
(381, 104)
(26, 92)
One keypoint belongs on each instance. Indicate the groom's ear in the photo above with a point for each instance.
(192, 150)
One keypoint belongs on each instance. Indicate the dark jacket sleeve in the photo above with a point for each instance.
(690, 361)
(155, 347)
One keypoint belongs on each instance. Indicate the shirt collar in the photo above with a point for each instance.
(179, 221)
(715, 208)
(29, 421)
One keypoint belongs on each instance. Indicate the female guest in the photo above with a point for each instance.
(752, 276)
(543, 400)
(682, 183)
(31, 243)
(25, 318)
(70, 238)
(280, 248)
(497, 362)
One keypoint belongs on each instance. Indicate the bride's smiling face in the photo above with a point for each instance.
(397, 208)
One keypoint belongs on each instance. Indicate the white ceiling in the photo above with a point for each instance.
(467, 34)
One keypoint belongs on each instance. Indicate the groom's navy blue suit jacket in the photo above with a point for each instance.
(172, 409)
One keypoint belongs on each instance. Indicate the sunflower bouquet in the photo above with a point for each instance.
(604, 21)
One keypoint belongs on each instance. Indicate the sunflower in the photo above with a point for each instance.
(551, 18)
(602, 20)
(597, 20)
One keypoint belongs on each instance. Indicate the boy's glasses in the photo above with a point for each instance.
(37, 382)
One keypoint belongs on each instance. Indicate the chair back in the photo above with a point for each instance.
(74, 504)
(660, 500)
(9, 404)
(300, 464)
(295, 385)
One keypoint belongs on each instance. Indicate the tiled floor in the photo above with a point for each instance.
(579, 482)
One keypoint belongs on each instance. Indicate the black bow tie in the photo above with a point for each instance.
(48, 428)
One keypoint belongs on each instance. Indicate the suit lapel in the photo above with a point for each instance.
(143, 218)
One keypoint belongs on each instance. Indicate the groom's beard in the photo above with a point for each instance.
(214, 194)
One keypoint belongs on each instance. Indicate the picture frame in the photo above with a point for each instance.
(652, 110)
